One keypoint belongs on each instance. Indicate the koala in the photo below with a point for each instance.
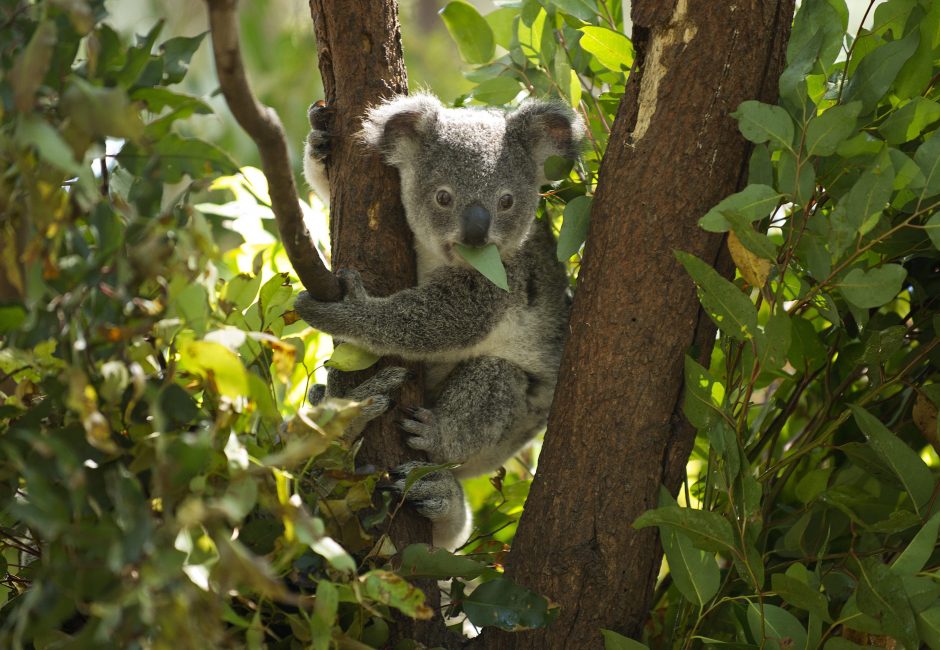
(469, 176)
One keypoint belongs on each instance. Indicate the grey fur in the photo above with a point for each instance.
(492, 356)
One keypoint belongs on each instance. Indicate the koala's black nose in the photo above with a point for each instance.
(474, 224)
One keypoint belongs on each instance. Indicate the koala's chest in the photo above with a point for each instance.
(517, 337)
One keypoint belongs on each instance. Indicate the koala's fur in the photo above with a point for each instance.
(491, 356)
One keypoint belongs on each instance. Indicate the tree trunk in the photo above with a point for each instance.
(360, 59)
(616, 431)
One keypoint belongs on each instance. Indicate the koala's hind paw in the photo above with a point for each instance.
(437, 495)
(420, 427)
(320, 117)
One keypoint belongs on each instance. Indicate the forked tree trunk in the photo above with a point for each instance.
(360, 60)
(616, 431)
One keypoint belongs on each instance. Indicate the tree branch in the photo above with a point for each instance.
(264, 127)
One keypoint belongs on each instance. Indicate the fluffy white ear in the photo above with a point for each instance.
(547, 128)
(395, 127)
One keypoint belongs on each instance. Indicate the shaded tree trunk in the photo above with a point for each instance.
(360, 59)
(616, 431)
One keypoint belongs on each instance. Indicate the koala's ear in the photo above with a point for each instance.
(395, 127)
(547, 128)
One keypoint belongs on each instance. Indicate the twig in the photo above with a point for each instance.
(264, 127)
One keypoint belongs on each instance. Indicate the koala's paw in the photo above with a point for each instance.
(420, 427)
(375, 394)
(316, 394)
(320, 117)
(437, 495)
(351, 283)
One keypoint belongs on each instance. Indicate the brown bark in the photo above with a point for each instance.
(264, 127)
(360, 59)
(616, 431)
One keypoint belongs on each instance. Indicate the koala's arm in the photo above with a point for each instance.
(456, 309)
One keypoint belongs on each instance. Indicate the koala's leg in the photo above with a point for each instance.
(376, 391)
(317, 148)
(475, 418)
(439, 497)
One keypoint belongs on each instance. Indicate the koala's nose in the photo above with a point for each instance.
(474, 224)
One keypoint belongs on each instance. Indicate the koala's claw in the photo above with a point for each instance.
(320, 117)
(434, 495)
(351, 283)
(421, 428)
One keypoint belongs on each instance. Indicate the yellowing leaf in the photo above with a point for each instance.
(754, 269)
(216, 364)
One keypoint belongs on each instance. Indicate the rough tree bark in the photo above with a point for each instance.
(616, 431)
(360, 59)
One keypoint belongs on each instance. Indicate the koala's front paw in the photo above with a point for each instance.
(437, 495)
(421, 429)
(320, 117)
(334, 318)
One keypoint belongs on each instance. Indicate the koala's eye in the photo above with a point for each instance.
(505, 201)
(443, 198)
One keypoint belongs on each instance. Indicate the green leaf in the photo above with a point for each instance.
(347, 357)
(241, 290)
(933, 229)
(574, 227)
(614, 641)
(903, 461)
(915, 556)
(730, 309)
(707, 530)
(774, 627)
(870, 195)
(927, 158)
(612, 49)
(765, 123)
(874, 287)
(703, 395)
(796, 177)
(878, 70)
(176, 54)
(501, 22)
(497, 91)
(216, 364)
(585, 10)
(909, 121)
(694, 572)
(928, 625)
(332, 552)
(486, 260)
(754, 202)
(11, 317)
(33, 131)
(758, 243)
(160, 98)
(801, 595)
(557, 168)
(773, 346)
(393, 590)
(31, 65)
(504, 604)
(422, 561)
(827, 131)
(470, 31)
(881, 595)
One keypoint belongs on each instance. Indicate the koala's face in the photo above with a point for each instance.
(467, 181)
(470, 176)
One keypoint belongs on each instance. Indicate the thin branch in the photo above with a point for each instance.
(264, 127)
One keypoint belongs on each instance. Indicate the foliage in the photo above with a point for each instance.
(156, 457)
(811, 513)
